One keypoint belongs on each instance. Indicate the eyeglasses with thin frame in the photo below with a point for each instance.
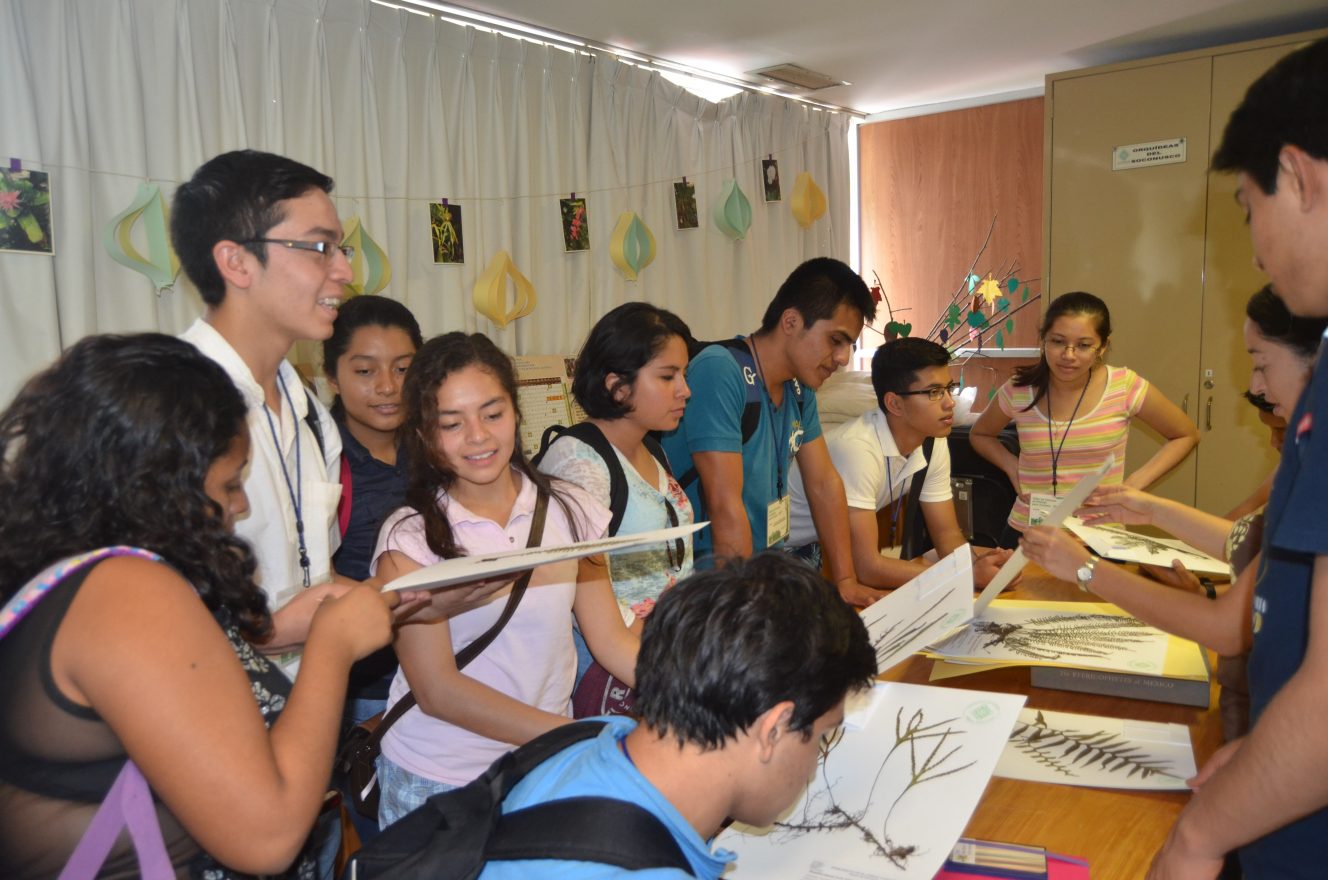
(677, 550)
(933, 392)
(1078, 349)
(324, 249)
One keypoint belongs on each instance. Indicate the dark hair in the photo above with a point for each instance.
(723, 646)
(1074, 303)
(1288, 105)
(235, 197)
(895, 365)
(1259, 402)
(428, 473)
(112, 445)
(366, 310)
(622, 342)
(816, 289)
(1276, 323)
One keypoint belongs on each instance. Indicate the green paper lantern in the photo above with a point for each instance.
(733, 212)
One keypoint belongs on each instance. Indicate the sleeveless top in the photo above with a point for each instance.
(59, 759)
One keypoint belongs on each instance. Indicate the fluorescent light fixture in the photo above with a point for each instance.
(703, 88)
(501, 23)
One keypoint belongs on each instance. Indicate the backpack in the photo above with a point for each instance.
(916, 541)
(455, 833)
(593, 437)
(751, 408)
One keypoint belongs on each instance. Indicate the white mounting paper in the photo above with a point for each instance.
(1088, 750)
(1114, 542)
(465, 569)
(922, 611)
(888, 801)
(1068, 504)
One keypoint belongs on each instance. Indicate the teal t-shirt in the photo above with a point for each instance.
(712, 422)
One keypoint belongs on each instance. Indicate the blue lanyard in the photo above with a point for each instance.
(768, 404)
(296, 490)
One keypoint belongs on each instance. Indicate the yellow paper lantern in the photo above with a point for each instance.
(370, 267)
(631, 246)
(807, 202)
(733, 213)
(490, 293)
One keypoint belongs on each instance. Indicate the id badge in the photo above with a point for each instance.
(1039, 506)
(777, 521)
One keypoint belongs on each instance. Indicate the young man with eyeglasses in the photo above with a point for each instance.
(259, 237)
(753, 413)
(879, 454)
(1266, 794)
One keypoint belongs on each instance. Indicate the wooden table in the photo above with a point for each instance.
(1116, 831)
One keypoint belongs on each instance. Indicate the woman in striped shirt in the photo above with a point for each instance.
(1072, 410)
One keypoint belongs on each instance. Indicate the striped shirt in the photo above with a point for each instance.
(1095, 433)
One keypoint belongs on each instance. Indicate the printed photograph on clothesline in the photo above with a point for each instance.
(770, 178)
(576, 229)
(684, 205)
(25, 212)
(449, 243)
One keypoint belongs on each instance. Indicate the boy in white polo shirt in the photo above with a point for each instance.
(878, 456)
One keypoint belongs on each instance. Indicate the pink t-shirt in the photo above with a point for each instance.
(531, 660)
(1098, 431)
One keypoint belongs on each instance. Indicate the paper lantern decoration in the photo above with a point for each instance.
(733, 213)
(807, 202)
(371, 270)
(160, 265)
(631, 247)
(490, 293)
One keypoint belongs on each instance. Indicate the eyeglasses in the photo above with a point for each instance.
(1078, 349)
(324, 249)
(933, 392)
(677, 550)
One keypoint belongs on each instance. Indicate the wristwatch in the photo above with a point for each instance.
(1085, 572)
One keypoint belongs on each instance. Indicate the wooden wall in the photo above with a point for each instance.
(930, 186)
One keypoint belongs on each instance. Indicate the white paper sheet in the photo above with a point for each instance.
(890, 800)
(922, 611)
(1069, 503)
(1114, 542)
(1088, 750)
(464, 569)
(1034, 635)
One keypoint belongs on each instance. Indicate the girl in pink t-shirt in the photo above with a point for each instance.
(471, 491)
(1072, 410)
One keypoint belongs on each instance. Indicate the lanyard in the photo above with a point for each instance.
(296, 489)
(1051, 442)
(769, 404)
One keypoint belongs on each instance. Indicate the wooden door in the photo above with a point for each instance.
(1234, 455)
(1135, 237)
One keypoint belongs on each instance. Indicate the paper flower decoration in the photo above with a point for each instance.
(160, 265)
(631, 246)
(490, 293)
(808, 202)
(733, 213)
(370, 267)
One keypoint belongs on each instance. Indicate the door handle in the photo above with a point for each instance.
(1208, 414)
(1185, 404)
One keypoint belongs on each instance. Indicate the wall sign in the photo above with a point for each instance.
(1164, 152)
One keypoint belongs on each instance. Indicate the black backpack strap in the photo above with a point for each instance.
(311, 419)
(587, 829)
(912, 506)
(652, 445)
(590, 434)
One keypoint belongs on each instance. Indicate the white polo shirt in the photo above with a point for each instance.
(874, 472)
(269, 526)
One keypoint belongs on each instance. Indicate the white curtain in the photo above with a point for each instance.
(402, 110)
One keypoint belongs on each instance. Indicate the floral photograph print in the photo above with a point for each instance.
(25, 212)
(684, 203)
(770, 179)
(576, 231)
(445, 230)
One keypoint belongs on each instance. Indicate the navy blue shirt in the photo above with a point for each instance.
(1295, 531)
(376, 489)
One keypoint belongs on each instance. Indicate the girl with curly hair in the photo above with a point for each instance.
(141, 441)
